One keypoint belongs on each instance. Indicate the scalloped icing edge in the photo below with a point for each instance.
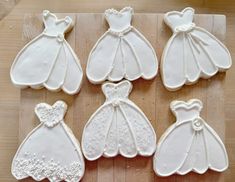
(115, 11)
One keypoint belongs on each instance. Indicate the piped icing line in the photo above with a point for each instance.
(196, 45)
(116, 12)
(59, 64)
(116, 119)
(197, 147)
(38, 164)
(117, 68)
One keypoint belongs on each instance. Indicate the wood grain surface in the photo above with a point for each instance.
(13, 111)
(150, 96)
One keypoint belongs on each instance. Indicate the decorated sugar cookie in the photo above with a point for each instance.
(48, 60)
(121, 52)
(191, 52)
(190, 144)
(118, 127)
(51, 150)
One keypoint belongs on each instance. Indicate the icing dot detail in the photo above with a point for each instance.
(51, 116)
(115, 103)
(46, 13)
(119, 13)
(67, 20)
(45, 30)
(197, 124)
(120, 33)
(39, 170)
(185, 28)
(60, 37)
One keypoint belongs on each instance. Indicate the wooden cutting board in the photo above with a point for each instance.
(150, 96)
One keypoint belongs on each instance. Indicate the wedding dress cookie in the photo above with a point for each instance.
(50, 150)
(192, 52)
(48, 60)
(118, 127)
(122, 52)
(190, 144)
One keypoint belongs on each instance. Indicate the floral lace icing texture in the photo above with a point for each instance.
(51, 115)
(50, 150)
(118, 127)
(41, 169)
(119, 91)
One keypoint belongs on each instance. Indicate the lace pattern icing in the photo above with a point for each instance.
(40, 163)
(51, 115)
(144, 137)
(117, 91)
(92, 144)
(40, 169)
(118, 127)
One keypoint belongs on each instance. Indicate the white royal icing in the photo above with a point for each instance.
(51, 150)
(191, 52)
(48, 60)
(118, 127)
(121, 52)
(190, 144)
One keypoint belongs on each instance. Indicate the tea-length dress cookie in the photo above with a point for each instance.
(191, 52)
(48, 60)
(118, 127)
(122, 52)
(190, 144)
(50, 150)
